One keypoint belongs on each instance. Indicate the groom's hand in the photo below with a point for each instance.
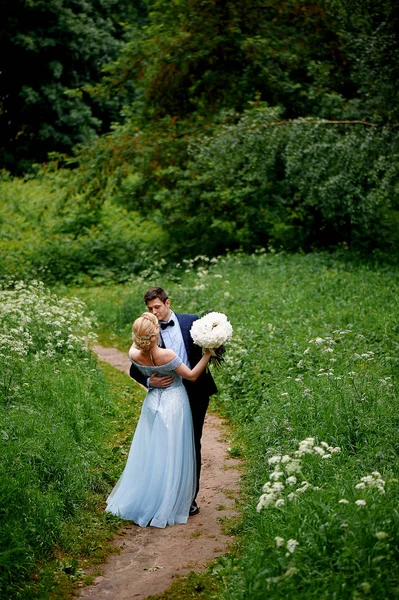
(160, 382)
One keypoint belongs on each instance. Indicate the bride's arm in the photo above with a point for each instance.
(193, 374)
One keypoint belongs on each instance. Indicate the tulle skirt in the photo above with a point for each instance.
(158, 483)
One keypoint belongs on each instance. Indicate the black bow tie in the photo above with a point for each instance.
(168, 324)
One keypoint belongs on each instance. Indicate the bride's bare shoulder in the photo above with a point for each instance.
(134, 352)
(165, 355)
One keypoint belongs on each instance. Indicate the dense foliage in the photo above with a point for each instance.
(51, 50)
(237, 124)
(52, 234)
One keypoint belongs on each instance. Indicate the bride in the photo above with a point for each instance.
(158, 483)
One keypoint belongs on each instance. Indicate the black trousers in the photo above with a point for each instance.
(199, 405)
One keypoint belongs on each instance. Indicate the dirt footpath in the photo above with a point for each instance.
(151, 558)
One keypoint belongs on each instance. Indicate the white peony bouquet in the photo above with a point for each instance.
(212, 331)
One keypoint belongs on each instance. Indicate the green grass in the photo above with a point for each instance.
(279, 386)
(66, 423)
(65, 435)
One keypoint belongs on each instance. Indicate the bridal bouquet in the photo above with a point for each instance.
(212, 331)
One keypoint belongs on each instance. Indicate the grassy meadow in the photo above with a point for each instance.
(314, 357)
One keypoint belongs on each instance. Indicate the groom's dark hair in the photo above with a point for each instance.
(154, 293)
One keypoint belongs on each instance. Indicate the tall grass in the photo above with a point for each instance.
(54, 403)
(314, 354)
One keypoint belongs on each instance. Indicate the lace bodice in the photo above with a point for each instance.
(162, 370)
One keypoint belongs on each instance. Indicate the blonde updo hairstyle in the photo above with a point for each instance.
(144, 329)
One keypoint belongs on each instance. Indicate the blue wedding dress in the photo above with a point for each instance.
(158, 483)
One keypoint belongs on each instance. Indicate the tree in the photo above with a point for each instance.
(49, 50)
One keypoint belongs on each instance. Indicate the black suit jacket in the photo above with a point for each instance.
(205, 385)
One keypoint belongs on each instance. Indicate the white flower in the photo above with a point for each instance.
(274, 459)
(291, 480)
(294, 466)
(361, 502)
(292, 496)
(280, 502)
(278, 486)
(304, 486)
(276, 475)
(343, 501)
(291, 545)
(279, 541)
(381, 535)
(211, 331)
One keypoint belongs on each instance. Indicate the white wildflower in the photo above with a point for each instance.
(343, 501)
(275, 476)
(361, 502)
(280, 502)
(291, 480)
(291, 545)
(279, 541)
(294, 466)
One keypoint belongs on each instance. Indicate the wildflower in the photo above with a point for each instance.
(381, 535)
(276, 475)
(294, 466)
(361, 502)
(292, 496)
(280, 502)
(291, 545)
(291, 480)
(274, 459)
(278, 486)
(304, 486)
(286, 458)
(319, 450)
(279, 541)
(372, 481)
(343, 501)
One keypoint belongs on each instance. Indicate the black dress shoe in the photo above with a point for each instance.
(194, 510)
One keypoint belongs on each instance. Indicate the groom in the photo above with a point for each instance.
(175, 334)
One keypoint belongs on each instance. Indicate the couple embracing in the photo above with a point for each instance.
(161, 479)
